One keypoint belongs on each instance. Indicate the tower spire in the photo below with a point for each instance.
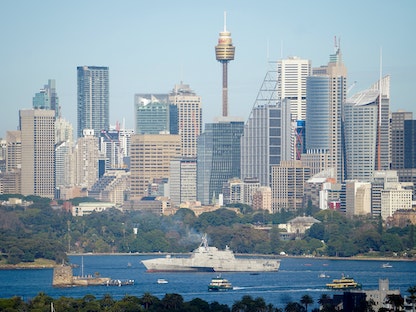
(224, 52)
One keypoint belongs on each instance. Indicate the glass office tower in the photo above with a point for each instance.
(218, 157)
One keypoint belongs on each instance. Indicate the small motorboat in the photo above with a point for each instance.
(162, 281)
(386, 265)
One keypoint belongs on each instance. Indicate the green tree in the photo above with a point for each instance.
(15, 255)
(396, 301)
(294, 307)
(412, 291)
(39, 302)
(172, 302)
(13, 304)
(199, 305)
(317, 231)
(306, 300)
(217, 307)
(147, 300)
(107, 302)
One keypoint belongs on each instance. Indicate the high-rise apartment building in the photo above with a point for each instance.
(37, 128)
(93, 100)
(189, 117)
(151, 155)
(218, 157)
(262, 199)
(86, 157)
(10, 175)
(182, 181)
(288, 185)
(47, 98)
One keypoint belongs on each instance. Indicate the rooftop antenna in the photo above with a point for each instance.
(267, 51)
(379, 114)
(225, 21)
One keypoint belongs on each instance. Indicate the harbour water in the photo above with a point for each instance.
(296, 277)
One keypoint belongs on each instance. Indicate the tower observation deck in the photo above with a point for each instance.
(224, 52)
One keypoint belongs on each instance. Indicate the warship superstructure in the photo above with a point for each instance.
(211, 259)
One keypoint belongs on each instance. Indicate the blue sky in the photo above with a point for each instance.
(150, 46)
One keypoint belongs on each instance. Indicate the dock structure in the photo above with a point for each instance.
(63, 277)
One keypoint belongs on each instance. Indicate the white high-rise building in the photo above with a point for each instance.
(366, 132)
(291, 77)
(189, 117)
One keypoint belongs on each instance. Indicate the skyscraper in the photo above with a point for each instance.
(189, 117)
(93, 99)
(366, 133)
(151, 113)
(326, 94)
(218, 157)
(410, 144)
(47, 98)
(398, 120)
(150, 159)
(337, 95)
(291, 74)
(266, 138)
(38, 152)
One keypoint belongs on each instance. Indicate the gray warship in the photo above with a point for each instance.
(211, 259)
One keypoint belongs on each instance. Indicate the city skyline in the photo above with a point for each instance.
(148, 49)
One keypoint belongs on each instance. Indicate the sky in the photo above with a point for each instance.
(149, 46)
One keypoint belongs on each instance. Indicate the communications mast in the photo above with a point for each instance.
(224, 52)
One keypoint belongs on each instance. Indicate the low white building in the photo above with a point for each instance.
(88, 208)
(399, 198)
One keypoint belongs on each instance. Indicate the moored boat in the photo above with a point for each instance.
(211, 259)
(119, 283)
(162, 281)
(386, 265)
(343, 283)
(219, 284)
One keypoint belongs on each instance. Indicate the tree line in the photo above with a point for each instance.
(39, 231)
(175, 302)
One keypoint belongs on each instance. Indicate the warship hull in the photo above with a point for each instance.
(210, 259)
